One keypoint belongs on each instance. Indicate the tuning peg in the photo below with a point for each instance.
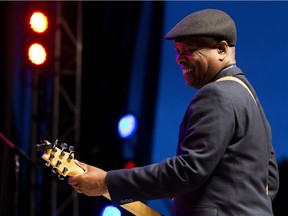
(54, 170)
(43, 146)
(65, 169)
(51, 156)
(71, 150)
(54, 149)
(63, 146)
(47, 163)
(44, 141)
(61, 177)
(58, 163)
(55, 143)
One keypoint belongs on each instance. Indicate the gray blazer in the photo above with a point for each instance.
(224, 162)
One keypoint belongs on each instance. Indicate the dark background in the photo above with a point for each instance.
(114, 56)
(27, 93)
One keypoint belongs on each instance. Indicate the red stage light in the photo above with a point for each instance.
(130, 164)
(39, 22)
(37, 54)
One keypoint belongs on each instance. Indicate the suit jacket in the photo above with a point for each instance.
(224, 162)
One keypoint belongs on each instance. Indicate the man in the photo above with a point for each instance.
(225, 163)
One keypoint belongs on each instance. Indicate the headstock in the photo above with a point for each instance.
(61, 160)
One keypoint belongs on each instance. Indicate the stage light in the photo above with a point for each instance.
(37, 54)
(39, 22)
(111, 211)
(39, 43)
(129, 164)
(127, 126)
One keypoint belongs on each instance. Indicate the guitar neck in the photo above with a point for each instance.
(65, 165)
(137, 208)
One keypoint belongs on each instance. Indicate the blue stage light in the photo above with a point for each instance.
(127, 126)
(111, 211)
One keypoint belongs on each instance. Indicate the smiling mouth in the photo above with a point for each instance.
(187, 73)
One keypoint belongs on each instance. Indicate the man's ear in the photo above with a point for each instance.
(222, 49)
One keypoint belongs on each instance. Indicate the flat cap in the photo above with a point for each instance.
(208, 22)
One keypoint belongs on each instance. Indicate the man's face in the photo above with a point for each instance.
(198, 60)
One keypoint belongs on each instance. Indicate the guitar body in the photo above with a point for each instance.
(62, 162)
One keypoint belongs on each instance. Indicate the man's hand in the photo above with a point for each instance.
(91, 182)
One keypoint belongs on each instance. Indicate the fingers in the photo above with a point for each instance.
(75, 184)
(78, 190)
(76, 187)
(71, 181)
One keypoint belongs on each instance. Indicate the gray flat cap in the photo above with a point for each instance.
(209, 22)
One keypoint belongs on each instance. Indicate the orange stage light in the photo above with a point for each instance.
(37, 54)
(39, 22)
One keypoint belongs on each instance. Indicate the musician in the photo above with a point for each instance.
(225, 163)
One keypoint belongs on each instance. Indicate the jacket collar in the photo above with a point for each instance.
(231, 70)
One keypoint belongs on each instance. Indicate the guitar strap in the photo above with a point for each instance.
(245, 86)
(239, 81)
